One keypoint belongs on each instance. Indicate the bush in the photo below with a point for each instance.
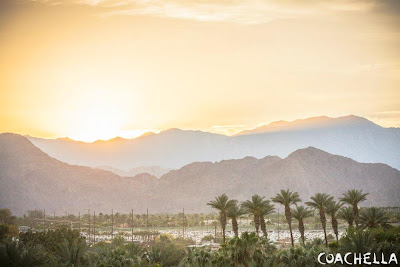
(14, 253)
(8, 231)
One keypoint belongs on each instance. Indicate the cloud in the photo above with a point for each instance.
(244, 12)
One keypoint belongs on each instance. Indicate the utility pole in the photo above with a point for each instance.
(215, 233)
(79, 216)
(94, 228)
(112, 224)
(132, 225)
(89, 228)
(44, 218)
(147, 226)
(278, 224)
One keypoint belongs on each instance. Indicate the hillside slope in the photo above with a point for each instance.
(30, 179)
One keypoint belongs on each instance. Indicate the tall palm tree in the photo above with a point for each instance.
(373, 217)
(319, 202)
(354, 197)
(253, 207)
(332, 209)
(288, 198)
(266, 209)
(300, 213)
(234, 212)
(346, 213)
(222, 204)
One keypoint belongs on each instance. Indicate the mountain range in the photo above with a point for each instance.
(157, 171)
(31, 179)
(349, 136)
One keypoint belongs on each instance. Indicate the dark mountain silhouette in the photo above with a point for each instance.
(30, 179)
(350, 136)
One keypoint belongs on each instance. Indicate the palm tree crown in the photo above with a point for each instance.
(346, 213)
(333, 207)
(221, 203)
(373, 217)
(287, 198)
(254, 207)
(301, 213)
(354, 197)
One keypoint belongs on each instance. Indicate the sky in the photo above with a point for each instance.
(97, 69)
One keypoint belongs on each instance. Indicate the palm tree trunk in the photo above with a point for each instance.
(235, 227)
(323, 223)
(335, 227)
(291, 233)
(355, 213)
(257, 222)
(301, 229)
(326, 238)
(263, 226)
(223, 225)
(288, 216)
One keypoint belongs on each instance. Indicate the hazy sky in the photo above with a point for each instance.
(91, 69)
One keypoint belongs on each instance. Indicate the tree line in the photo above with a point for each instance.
(259, 208)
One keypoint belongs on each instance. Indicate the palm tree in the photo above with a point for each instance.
(254, 207)
(234, 212)
(357, 241)
(332, 209)
(222, 204)
(353, 197)
(320, 202)
(266, 209)
(287, 198)
(346, 213)
(373, 217)
(300, 213)
(248, 250)
(72, 253)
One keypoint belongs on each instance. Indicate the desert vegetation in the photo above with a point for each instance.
(368, 229)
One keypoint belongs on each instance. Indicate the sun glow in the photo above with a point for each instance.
(75, 70)
(100, 114)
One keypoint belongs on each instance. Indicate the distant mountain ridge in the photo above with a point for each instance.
(30, 179)
(349, 136)
(311, 123)
(152, 170)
